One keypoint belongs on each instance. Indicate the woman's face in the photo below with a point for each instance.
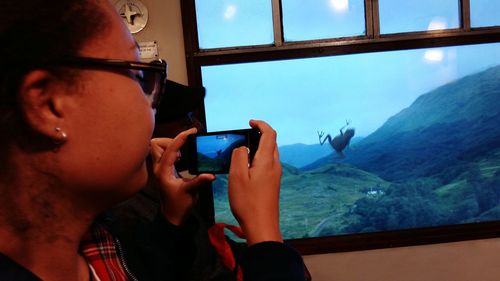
(109, 124)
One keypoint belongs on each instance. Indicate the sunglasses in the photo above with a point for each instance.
(150, 76)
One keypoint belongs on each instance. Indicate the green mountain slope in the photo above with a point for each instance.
(315, 201)
(470, 98)
(447, 126)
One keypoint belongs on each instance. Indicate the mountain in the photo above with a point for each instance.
(300, 155)
(218, 161)
(436, 162)
(313, 202)
(467, 99)
(316, 201)
(448, 126)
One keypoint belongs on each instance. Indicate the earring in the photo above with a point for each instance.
(63, 137)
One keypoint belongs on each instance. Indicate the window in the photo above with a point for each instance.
(405, 97)
(418, 15)
(310, 20)
(484, 13)
(325, 192)
(234, 23)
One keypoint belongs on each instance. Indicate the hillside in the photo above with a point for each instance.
(436, 162)
(451, 124)
(300, 155)
(314, 200)
(218, 161)
(465, 100)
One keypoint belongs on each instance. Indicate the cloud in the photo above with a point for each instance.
(230, 12)
(435, 55)
(339, 6)
(437, 24)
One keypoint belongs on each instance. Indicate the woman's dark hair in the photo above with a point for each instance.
(33, 32)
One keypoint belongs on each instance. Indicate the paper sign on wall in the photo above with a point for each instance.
(148, 50)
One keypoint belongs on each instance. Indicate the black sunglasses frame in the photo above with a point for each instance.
(157, 66)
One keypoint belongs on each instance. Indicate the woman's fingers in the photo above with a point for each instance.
(158, 147)
(254, 191)
(192, 185)
(267, 143)
(165, 151)
(178, 194)
(268, 135)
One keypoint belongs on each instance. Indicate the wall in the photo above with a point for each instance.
(463, 261)
(475, 260)
(165, 26)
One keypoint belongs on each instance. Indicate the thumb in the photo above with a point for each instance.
(199, 180)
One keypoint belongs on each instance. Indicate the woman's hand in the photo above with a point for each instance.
(254, 191)
(178, 195)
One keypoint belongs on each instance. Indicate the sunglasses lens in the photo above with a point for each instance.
(152, 86)
(147, 82)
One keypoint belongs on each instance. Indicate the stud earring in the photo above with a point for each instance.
(62, 138)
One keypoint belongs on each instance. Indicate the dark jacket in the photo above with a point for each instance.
(268, 261)
(11, 271)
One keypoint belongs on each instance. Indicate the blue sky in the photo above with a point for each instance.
(300, 97)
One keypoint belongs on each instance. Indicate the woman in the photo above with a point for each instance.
(76, 118)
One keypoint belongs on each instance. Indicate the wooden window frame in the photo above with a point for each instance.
(372, 41)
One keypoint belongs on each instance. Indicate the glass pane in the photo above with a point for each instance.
(484, 13)
(372, 142)
(321, 19)
(229, 23)
(418, 15)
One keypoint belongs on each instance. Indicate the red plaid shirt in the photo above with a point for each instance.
(103, 253)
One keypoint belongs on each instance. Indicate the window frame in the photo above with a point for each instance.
(372, 41)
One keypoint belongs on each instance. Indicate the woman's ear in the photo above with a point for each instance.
(41, 103)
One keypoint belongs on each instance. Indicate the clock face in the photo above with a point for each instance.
(134, 14)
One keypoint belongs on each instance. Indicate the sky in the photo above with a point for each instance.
(303, 96)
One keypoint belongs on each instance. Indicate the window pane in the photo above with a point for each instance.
(228, 23)
(410, 138)
(484, 13)
(321, 19)
(418, 15)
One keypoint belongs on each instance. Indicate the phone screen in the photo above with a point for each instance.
(211, 152)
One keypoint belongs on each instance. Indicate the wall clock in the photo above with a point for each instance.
(134, 14)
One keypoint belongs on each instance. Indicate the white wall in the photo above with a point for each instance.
(464, 261)
(165, 26)
(476, 260)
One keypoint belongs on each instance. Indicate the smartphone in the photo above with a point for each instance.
(211, 152)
